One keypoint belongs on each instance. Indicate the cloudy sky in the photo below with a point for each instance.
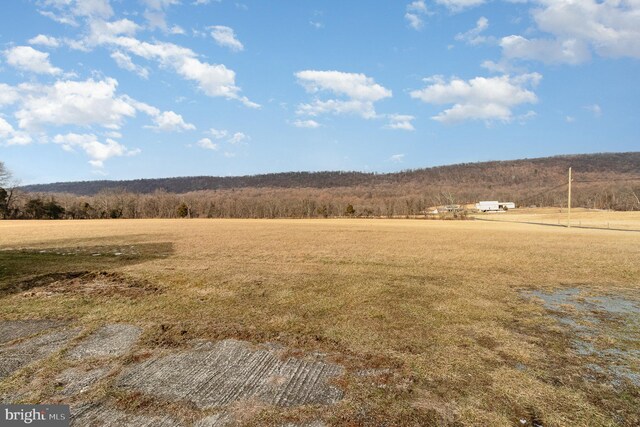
(119, 89)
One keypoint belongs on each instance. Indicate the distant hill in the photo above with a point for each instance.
(531, 173)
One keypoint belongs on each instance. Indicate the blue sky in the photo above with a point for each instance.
(99, 89)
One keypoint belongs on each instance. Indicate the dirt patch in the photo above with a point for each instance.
(15, 357)
(219, 374)
(108, 341)
(13, 329)
(87, 283)
(40, 281)
(166, 335)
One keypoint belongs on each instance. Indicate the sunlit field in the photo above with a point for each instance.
(443, 311)
(580, 217)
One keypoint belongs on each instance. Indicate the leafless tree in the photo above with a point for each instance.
(8, 189)
(5, 175)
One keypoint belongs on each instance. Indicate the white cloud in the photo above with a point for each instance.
(155, 12)
(223, 134)
(177, 29)
(397, 158)
(67, 10)
(549, 51)
(612, 28)
(594, 109)
(503, 66)
(226, 37)
(165, 121)
(365, 109)
(80, 103)
(417, 6)
(208, 144)
(169, 121)
(19, 138)
(353, 85)
(160, 4)
(310, 124)
(480, 98)
(524, 118)
(473, 36)
(415, 12)
(361, 93)
(28, 59)
(98, 152)
(5, 128)
(60, 18)
(93, 8)
(218, 134)
(10, 136)
(458, 5)
(575, 29)
(124, 61)
(213, 79)
(104, 32)
(316, 24)
(149, 110)
(569, 119)
(8, 94)
(237, 138)
(400, 122)
(113, 134)
(44, 40)
(414, 21)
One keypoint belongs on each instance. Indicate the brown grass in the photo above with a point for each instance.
(580, 217)
(436, 302)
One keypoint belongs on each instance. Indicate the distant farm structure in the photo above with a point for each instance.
(455, 210)
(494, 206)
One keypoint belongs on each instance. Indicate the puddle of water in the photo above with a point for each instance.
(577, 312)
(572, 297)
(614, 305)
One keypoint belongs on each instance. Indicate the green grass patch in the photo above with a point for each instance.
(27, 268)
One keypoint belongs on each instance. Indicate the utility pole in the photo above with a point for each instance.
(569, 203)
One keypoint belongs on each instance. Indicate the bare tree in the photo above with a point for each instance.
(635, 196)
(7, 191)
(5, 175)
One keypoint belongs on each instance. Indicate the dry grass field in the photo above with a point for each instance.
(580, 217)
(441, 311)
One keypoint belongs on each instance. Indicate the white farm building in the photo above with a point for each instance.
(494, 206)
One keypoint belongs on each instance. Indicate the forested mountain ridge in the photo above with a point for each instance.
(494, 174)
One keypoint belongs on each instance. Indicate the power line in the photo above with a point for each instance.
(548, 190)
(575, 181)
(544, 192)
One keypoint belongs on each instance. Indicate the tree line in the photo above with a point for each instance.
(299, 203)
(526, 184)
